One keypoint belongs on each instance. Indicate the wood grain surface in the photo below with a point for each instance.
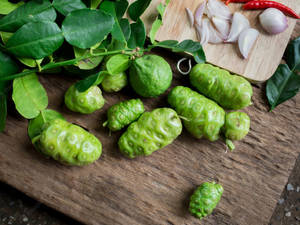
(264, 58)
(156, 189)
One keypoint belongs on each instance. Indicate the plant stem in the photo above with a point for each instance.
(52, 65)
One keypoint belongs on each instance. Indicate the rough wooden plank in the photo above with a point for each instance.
(156, 189)
(263, 60)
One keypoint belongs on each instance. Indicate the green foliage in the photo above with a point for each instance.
(36, 125)
(189, 46)
(230, 91)
(138, 35)
(35, 40)
(29, 96)
(89, 63)
(285, 83)
(202, 117)
(137, 8)
(153, 130)
(68, 144)
(7, 7)
(94, 79)
(33, 11)
(67, 6)
(117, 32)
(117, 64)
(86, 27)
(126, 29)
(161, 8)
(124, 113)
(205, 199)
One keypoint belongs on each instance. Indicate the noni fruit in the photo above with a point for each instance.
(123, 114)
(114, 83)
(201, 116)
(153, 130)
(68, 143)
(230, 91)
(205, 199)
(84, 102)
(150, 75)
(236, 127)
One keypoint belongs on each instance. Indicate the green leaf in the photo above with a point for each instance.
(33, 11)
(94, 79)
(3, 111)
(117, 64)
(89, 63)
(292, 54)
(138, 35)
(86, 27)
(7, 67)
(155, 27)
(121, 7)
(189, 46)
(5, 36)
(26, 61)
(35, 126)
(36, 40)
(137, 8)
(6, 7)
(29, 96)
(67, 6)
(125, 26)
(283, 85)
(110, 8)
(95, 3)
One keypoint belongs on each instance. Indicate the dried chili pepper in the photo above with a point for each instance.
(261, 4)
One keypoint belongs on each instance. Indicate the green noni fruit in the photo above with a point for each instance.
(68, 143)
(153, 130)
(114, 83)
(236, 127)
(123, 114)
(84, 102)
(205, 199)
(150, 75)
(230, 91)
(201, 116)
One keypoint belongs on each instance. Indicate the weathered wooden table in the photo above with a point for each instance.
(156, 189)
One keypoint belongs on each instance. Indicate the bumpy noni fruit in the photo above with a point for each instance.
(68, 143)
(236, 127)
(150, 75)
(153, 130)
(230, 91)
(84, 102)
(123, 114)
(114, 83)
(201, 116)
(205, 199)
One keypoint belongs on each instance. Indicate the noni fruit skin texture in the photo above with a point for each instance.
(68, 143)
(230, 91)
(150, 75)
(124, 113)
(153, 130)
(84, 102)
(205, 199)
(201, 116)
(114, 83)
(237, 125)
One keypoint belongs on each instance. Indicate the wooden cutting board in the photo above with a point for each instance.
(264, 58)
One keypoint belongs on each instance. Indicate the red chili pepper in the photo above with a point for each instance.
(236, 1)
(261, 4)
